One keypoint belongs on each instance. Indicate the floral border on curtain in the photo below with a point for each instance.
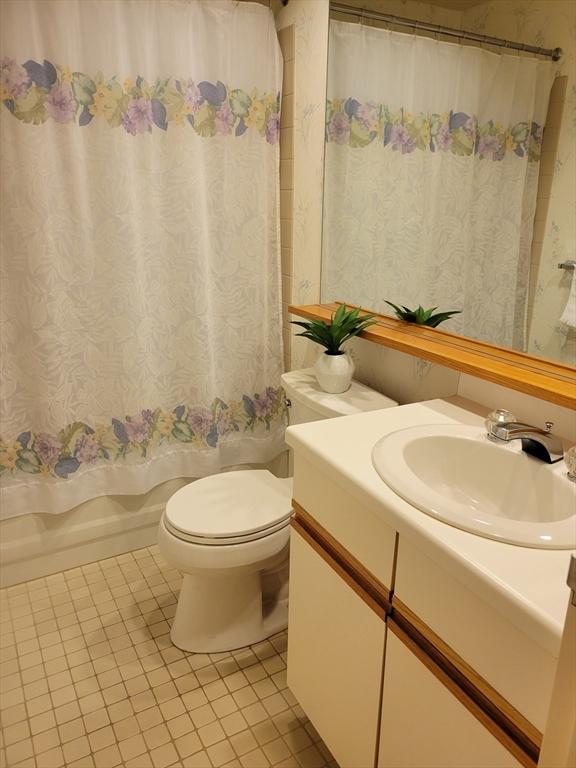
(80, 444)
(34, 92)
(357, 124)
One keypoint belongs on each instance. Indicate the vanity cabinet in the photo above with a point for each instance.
(335, 651)
(425, 725)
(395, 665)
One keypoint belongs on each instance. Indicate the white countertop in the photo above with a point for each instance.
(528, 586)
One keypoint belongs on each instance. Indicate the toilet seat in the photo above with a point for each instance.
(230, 508)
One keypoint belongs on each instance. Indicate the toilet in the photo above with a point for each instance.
(228, 534)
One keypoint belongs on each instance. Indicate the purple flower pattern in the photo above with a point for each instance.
(86, 449)
(47, 448)
(60, 103)
(400, 139)
(224, 120)
(339, 128)
(273, 128)
(14, 80)
(138, 116)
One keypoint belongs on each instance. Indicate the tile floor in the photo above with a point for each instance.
(89, 677)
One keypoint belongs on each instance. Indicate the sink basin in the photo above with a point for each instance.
(454, 473)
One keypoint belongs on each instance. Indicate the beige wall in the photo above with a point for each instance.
(310, 21)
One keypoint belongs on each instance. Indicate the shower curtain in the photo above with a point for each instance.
(140, 285)
(432, 156)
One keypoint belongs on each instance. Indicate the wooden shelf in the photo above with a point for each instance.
(545, 379)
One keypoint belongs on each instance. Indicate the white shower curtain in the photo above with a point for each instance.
(432, 160)
(141, 310)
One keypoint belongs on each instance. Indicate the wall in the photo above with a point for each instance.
(310, 21)
(547, 23)
(287, 39)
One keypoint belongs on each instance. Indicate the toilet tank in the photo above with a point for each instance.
(310, 403)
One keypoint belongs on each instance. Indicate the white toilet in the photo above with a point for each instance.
(228, 534)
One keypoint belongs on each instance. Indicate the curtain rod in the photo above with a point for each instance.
(363, 13)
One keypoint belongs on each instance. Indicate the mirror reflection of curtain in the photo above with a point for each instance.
(432, 160)
(141, 310)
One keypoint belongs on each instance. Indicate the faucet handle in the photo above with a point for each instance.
(497, 417)
(570, 459)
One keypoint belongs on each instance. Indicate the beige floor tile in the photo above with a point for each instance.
(102, 738)
(53, 758)
(179, 726)
(125, 729)
(255, 759)
(143, 761)
(310, 758)
(220, 753)
(108, 758)
(90, 679)
(276, 751)
(254, 713)
(163, 756)
(148, 718)
(132, 747)
(243, 742)
(233, 723)
(212, 733)
(71, 730)
(265, 731)
(18, 731)
(188, 744)
(203, 715)
(96, 720)
(46, 740)
(156, 736)
(76, 749)
(42, 722)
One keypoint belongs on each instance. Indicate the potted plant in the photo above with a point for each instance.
(422, 316)
(334, 368)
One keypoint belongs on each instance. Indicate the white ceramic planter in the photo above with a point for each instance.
(334, 372)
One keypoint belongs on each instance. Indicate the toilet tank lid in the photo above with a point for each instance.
(230, 504)
(303, 386)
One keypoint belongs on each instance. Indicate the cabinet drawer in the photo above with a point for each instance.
(335, 656)
(359, 531)
(521, 671)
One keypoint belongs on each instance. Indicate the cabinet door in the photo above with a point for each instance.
(335, 655)
(423, 723)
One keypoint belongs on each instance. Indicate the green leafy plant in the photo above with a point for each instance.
(343, 326)
(422, 316)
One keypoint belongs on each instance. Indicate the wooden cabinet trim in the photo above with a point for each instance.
(508, 725)
(351, 570)
(544, 379)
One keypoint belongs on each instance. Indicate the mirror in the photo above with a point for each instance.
(449, 171)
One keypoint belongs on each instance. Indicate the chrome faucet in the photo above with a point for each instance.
(540, 443)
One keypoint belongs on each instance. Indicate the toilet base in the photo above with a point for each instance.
(222, 613)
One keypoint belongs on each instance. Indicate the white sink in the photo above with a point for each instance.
(457, 475)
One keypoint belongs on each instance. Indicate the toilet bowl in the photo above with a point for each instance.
(228, 534)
